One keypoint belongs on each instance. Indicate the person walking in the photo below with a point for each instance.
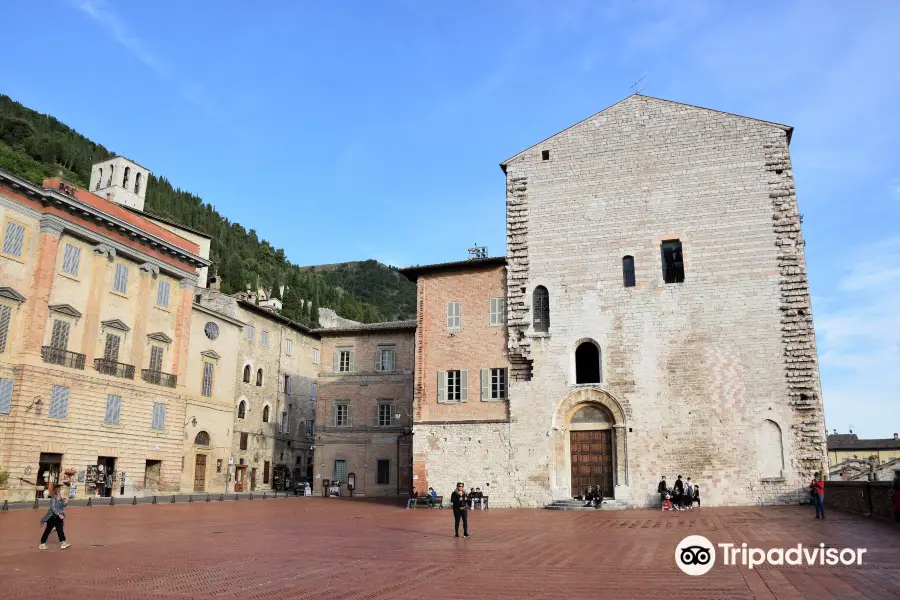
(54, 519)
(688, 495)
(662, 491)
(458, 500)
(818, 490)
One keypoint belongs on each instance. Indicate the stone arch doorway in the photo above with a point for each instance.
(590, 445)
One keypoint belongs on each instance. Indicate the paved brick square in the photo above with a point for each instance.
(328, 549)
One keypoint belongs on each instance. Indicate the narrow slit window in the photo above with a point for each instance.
(628, 271)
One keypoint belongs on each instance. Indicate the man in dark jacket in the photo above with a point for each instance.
(678, 494)
(662, 491)
(458, 500)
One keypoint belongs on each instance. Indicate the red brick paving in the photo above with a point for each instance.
(325, 549)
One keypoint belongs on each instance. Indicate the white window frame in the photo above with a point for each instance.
(288, 346)
(250, 333)
(264, 338)
(348, 354)
(498, 311)
(315, 356)
(380, 362)
(339, 408)
(384, 406)
(454, 315)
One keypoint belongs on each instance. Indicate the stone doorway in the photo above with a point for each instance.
(592, 464)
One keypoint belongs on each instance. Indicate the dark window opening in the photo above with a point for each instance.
(672, 261)
(779, 171)
(540, 307)
(545, 155)
(384, 472)
(243, 441)
(259, 378)
(628, 271)
(587, 363)
(242, 410)
(266, 415)
(246, 373)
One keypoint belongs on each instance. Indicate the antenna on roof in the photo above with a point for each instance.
(478, 252)
(634, 85)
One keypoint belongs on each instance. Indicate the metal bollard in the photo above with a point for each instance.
(88, 504)
(236, 497)
(112, 500)
(5, 505)
(207, 497)
(264, 495)
(35, 503)
(173, 500)
(134, 502)
(154, 500)
(191, 498)
(251, 496)
(222, 498)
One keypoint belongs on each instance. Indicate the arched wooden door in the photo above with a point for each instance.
(592, 460)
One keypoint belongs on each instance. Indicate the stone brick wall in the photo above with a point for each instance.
(861, 497)
(365, 442)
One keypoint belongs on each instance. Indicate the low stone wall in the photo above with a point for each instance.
(869, 498)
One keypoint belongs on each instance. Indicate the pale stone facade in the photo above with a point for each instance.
(712, 374)
(274, 407)
(369, 437)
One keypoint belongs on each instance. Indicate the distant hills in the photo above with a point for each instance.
(36, 146)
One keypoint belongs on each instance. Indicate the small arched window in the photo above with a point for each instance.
(628, 271)
(112, 169)
(125, 177)
(259, 378)
(99, 180)
(246, 373)
(540, 307)
(771, 450)
(266, 415)
(137, 183)
(202, 439)
(587, 363)
(242, 410)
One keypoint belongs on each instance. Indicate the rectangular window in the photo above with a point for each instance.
(71, 260)
(498, 311)
(6, 395)
(264, 338)
(250, 333)
(452, 386)
(120, 281)
(340, 471)
(159, 416)
(341, 415)
(288, 347)
(207, 379)
(285, 424)
(315, 356)
(59, 338)
(13, 239)
(628, 277)
(672, 261)
(344, 362)
(156, 358)
(384, 472)
(59, 402)
(498, 384)
(162, 293)
(454, 319)
(288, 385)
(113, 409)
(5, 320)
(384, 359)
(313, 390)
(385, 414)
(111, 348)
(311, 428)
(243, 441)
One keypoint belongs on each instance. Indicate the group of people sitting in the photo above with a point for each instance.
(681, 496)
(593, 497)
(429, 497)
(476, 497)
(473, 498)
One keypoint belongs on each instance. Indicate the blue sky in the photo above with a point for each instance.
(343, 131)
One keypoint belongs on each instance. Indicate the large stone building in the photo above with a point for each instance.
(364, 408)
(657, 320)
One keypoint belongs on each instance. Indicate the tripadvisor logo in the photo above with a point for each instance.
(696, 555)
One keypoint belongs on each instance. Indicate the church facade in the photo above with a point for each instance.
(656, 320)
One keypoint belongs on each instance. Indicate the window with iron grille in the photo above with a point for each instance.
(207, 379)
(383, 472)
(342, 414)
(498, 311)
(384, 359)
(5, 321)
(120, 280)
(454, 315)
(385, 416)
(13, 239)
(672, 261)
(628, 271)
(340, 471)
(71, 260)
(162, 293)
(113, 409)
(540, 308)
(243, 441)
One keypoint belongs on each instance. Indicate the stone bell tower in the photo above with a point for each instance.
(121, 181)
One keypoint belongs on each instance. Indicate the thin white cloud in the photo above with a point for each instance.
(101, 12)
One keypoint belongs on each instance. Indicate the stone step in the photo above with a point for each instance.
(580, 505)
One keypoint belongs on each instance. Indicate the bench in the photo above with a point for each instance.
(484, 503)
(429, 502)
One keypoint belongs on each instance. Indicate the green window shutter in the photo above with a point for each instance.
(352, 359)
(463, 386)
(442, 386)
(378, 359)
(337, 360)
(485, 384)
